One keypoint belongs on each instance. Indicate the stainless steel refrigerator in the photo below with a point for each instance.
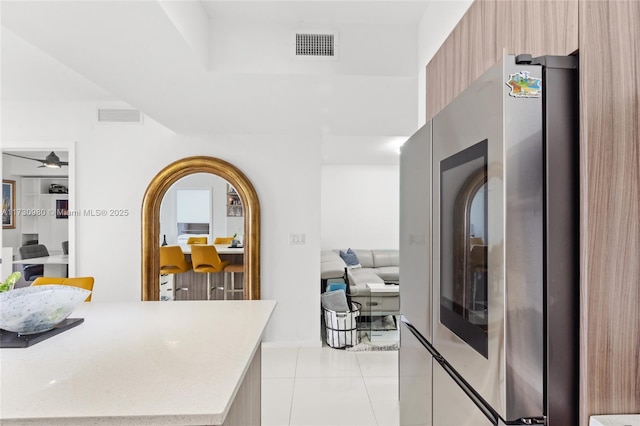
(489, 252)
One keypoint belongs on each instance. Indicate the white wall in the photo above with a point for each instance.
(115, 164)
(360, 206)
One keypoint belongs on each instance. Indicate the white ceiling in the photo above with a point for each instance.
(28, 74)
(319, 12)
(149, 55)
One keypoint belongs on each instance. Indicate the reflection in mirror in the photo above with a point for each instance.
(477, 253)
(470, 253)
(151, 236)
(196, 210)
(463, 245)
(192, 207)
(201, 203)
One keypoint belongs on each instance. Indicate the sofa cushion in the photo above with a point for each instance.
(378, 266)
(365, 257)
(332, 269)
(350, 258)
(363, 276)
(331, 265)
(389, 273)
(383, 258)
(328, 255)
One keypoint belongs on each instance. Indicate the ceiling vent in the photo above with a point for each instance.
(321, 46)
(119, 116)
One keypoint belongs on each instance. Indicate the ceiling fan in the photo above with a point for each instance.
(52, 160)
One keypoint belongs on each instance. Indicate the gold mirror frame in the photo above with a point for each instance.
(151, 220)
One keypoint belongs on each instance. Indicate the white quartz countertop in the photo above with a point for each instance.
(615, 420)
(135, 363)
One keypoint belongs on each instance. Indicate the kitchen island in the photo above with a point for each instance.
(156, 363)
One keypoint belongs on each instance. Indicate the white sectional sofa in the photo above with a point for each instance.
(377, 266)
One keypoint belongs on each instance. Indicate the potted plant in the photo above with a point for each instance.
(10, 282)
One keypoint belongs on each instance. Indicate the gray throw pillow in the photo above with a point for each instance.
(350, 258)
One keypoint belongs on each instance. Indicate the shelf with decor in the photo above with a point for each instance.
(43, 203)
(234, 204)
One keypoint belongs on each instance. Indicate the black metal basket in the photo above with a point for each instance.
(342, 327)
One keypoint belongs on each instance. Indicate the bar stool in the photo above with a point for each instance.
(232, 269)
(172, 261)
(81, 282)
(197, 240)
(206, 260)
(222, 240)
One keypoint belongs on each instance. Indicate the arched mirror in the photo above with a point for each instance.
(241, 213)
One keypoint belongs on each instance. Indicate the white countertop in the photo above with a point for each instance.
(615, 420)
(220, 248)
(56, 259)
(136, 362)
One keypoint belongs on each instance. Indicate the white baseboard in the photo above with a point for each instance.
(294, 344)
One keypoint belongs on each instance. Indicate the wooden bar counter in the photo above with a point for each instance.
(196, 283)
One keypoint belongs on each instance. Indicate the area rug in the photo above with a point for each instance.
(366, 345)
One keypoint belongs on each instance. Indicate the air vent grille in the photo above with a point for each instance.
(114, 116)
(315, 45)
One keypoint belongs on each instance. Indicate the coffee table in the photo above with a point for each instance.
(384, 308)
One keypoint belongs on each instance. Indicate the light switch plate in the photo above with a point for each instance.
(297, 239)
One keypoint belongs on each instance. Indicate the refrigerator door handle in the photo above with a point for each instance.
(482, 405)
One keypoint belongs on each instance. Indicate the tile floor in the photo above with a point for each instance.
(329, 387)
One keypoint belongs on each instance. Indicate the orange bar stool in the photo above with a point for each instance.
(223, 240)
(232, 269)
(82, 282)
(172, 261)
(197, 240)
(206, 260)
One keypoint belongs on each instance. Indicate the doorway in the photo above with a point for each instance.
(27, 228)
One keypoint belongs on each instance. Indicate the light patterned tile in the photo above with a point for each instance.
(331, 387)
(382, 388)
(331, 401)
(326, 362)
(378, 363)
(387, 413)
(279, 362)
(277, 395)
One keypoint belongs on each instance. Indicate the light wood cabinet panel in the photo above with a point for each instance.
(246, 407)
(482, 39)
(434, 93)
(610, 187)
(491, 28)
(537, 27)
(465, 55)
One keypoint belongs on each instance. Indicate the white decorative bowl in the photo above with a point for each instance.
(31, 310)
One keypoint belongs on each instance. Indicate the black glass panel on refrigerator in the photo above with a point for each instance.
(463, 245)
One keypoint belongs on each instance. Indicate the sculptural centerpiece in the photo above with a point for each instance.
(31, 310)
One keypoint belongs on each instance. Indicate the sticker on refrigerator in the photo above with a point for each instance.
(522, 85)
